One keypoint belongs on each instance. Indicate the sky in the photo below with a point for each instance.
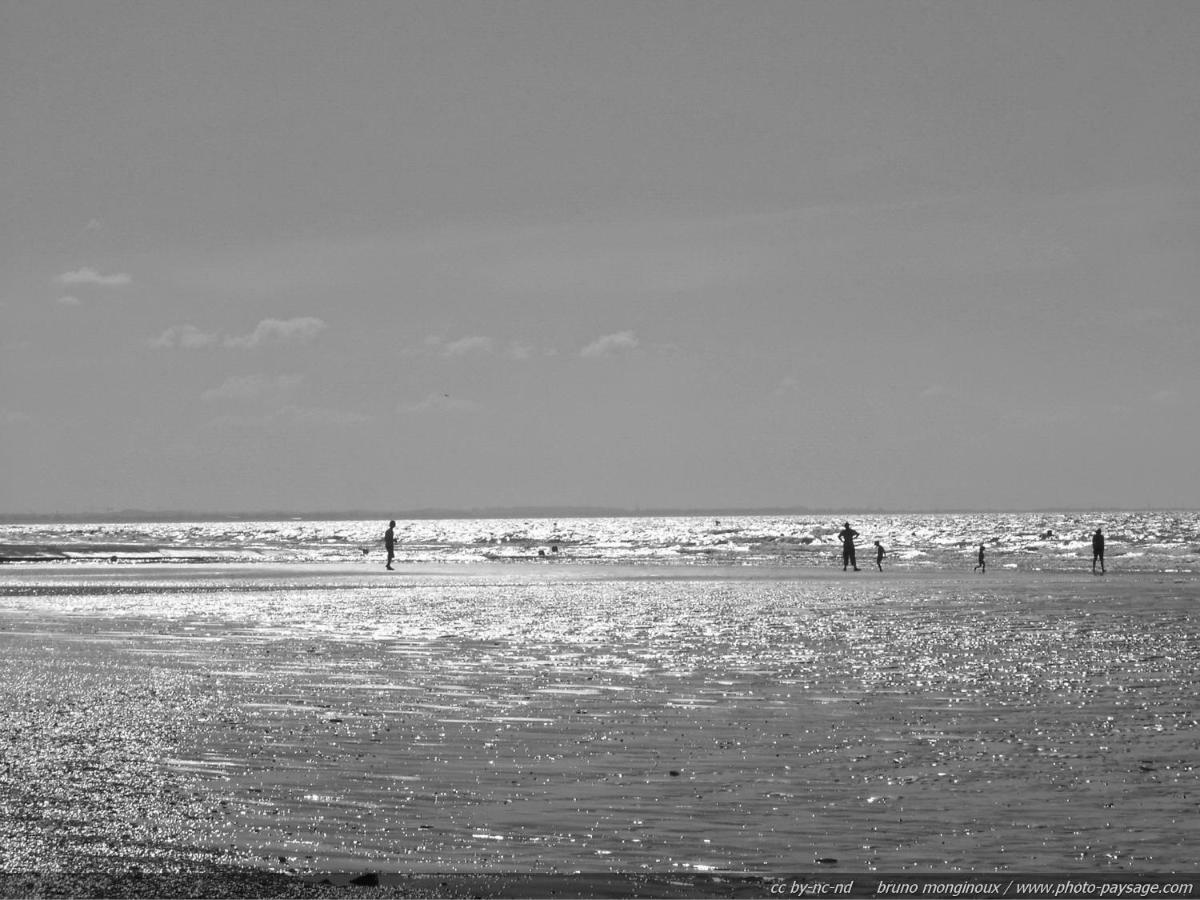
(309, 256)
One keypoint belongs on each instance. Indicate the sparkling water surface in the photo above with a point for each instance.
(1140, 541)
(530, 717)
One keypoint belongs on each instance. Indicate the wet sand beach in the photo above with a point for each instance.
(311, 719)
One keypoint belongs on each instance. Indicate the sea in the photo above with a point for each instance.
(1136, 541)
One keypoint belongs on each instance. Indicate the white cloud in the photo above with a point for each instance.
(610, 344)
(481, 345)
(277, 331)
(436, 403)
(268, 331)
(519, 351)
(12, 417)
(253, 387)
(67, 300)
(472, 344)
(88, 275)
(187, 336)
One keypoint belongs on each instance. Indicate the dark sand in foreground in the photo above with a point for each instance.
(224, 723)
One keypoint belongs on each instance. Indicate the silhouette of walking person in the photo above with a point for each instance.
(389, 542)
(848, 535)
(1098, 551)
(982, 564)
(879, 552)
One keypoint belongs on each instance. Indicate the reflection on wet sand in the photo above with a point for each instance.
(672, 723)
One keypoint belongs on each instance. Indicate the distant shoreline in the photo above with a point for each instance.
(532, 512)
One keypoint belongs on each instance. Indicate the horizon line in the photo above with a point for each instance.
(541, 512)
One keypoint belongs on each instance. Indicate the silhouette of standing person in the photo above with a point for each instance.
(389, 542)
(848, 535)
(1098, 551)
(982, 564)
(879, 556)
